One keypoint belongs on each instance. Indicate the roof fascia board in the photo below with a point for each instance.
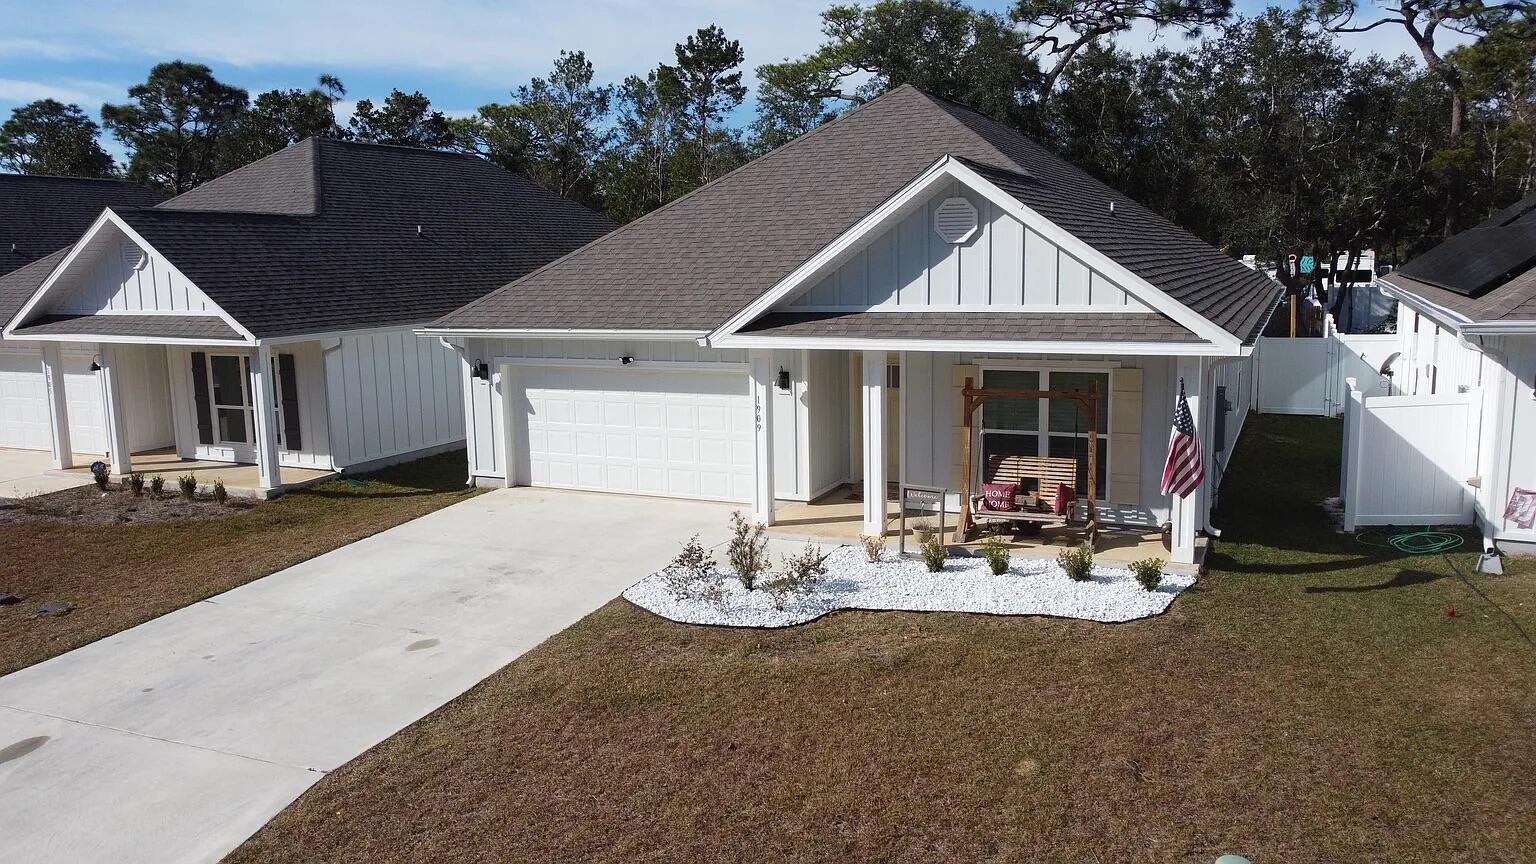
(950, 168)
(861, 343)
(1453, 320)
(338, 334)
(107, 216)
(571, 333)
(1500, 328)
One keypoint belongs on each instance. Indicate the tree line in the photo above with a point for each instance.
(1260, 133)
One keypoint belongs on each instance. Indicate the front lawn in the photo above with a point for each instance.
(119, 575)
(1310, 699)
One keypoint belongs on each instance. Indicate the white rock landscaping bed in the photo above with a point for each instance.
(1030, 587)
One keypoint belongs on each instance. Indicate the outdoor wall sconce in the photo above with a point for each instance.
(480, 369)
(626, 359)
(95, 367)
(783, 380)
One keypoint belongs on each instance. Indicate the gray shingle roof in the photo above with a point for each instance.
(40, 215)
(17, 286)
(696, 262)
(161, 326)
(999, 326)
(1514, 300)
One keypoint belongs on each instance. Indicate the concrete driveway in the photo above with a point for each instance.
(174, 741)
(25, 472)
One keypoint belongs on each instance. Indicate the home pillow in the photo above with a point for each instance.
(999, 496)
(1065, 495)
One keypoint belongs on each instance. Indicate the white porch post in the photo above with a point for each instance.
(113, 408)
(1186, 512)
(264, 406)
(58, 405)
(873, 390)
(762, 403)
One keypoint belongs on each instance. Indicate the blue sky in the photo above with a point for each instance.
(461, 53)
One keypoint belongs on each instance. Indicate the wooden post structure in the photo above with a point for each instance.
(975, 396)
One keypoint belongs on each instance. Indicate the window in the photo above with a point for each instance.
(229, 391)
(1045, 427)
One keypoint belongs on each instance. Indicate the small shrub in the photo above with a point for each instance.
(748, 550)
(188, 486)
(101, 474)
(156, 485)
(799, 574)
(1077, 562)
(136, 483)
(933, 554)
(995, 550)
(1149, 572)
(692, 570)
(220, 494)
(874, 548)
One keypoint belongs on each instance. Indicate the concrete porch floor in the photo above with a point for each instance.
(240, 479)
(839, 516)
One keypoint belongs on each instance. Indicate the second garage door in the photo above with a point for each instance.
(678, 433)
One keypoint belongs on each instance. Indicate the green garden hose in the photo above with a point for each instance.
(1416, 542)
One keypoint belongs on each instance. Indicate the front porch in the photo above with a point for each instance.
(838, 516)
(240, 479)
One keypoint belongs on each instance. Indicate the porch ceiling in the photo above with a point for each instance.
(973, 326)
(202, 327)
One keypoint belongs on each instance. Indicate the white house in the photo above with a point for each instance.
(38, 217)
(266, 317)
(1452, 443)
(809, 321)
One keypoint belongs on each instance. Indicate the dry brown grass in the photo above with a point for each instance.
(121, 575)
(1309, 700)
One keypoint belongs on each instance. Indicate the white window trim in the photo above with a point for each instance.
(1044, 434)
(214, 406)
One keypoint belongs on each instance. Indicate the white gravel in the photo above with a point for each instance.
(1030, 587)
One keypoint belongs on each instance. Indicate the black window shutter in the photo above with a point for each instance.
(200, 397)
(288, 383)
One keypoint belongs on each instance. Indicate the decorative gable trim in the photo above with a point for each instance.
(109, 218)
(947, 169)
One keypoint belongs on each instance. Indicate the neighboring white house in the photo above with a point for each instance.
(1456, 436)
(266, 317)
(809, 320)
(38, 216)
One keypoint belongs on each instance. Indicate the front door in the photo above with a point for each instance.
(226, 420)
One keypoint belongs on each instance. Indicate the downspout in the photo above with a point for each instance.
(330, 427)
(469, 470)
(1489, 485)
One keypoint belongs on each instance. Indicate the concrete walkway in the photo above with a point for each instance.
(27, 472)
(176, 740)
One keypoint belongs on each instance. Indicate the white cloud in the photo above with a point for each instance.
(87, 94)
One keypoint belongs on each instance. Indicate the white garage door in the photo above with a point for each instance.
(23, 400)
(684, 434)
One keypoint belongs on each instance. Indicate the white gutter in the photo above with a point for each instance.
(1500, 328)
(560, 333)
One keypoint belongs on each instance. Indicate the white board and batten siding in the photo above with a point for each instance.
(1002, 266)
(389, 393)
(120, 277)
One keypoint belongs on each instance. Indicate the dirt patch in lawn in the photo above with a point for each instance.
(1256, 716)
(117, 573)
(116, 505)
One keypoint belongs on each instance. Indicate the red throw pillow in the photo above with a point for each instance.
(999, 496)
(1065, 495)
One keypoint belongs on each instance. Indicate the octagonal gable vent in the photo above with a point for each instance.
(955, 220)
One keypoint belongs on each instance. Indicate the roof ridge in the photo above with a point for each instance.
(121, 181)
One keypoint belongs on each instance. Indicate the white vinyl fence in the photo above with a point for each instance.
(1407, 459)
(1307, 375)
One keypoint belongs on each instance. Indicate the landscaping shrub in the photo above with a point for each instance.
(1078, 562)
(995, 550)
(156, 485)
(136, 483)
(798, 574)
(220, 494)
(188, 486)
(748, 550)
(1149, 572)
(693, 569)
(101, 474)
(933, 554)
(874, 547)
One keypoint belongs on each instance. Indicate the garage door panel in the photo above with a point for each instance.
(648, 431)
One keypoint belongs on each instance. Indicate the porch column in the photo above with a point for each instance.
(114, 409)
(873, 391)
(762, 404)
(58, 405)
(264, 407)
(1187, 513)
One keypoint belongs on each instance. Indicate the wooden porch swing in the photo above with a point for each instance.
(1041, 507)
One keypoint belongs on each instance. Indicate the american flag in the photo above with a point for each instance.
(1185, 468)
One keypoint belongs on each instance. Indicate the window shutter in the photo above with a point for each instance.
(288, 383)
(200, 397)
(1125, 436)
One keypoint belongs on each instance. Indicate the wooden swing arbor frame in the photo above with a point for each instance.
(975, 397)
